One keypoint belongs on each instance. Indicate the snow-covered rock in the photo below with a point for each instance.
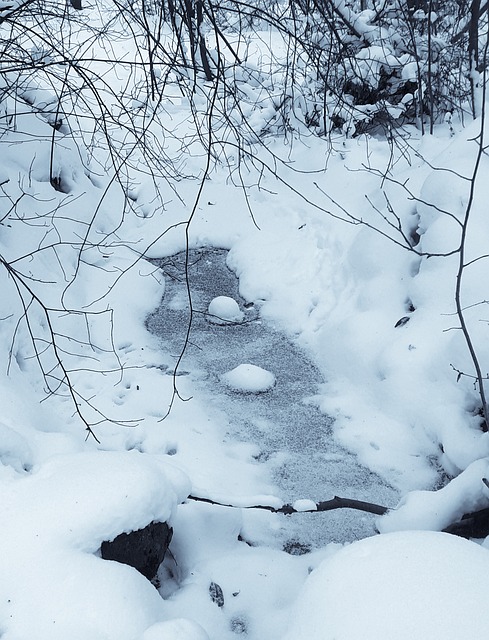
(224, 310)
(143, 549)
(248, 378)
(416, 584)
(54, 585)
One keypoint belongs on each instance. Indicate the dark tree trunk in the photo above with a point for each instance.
(474, 51)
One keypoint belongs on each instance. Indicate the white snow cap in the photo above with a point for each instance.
(304, 505)
(223, 310)
(248, 378)
(416, 584)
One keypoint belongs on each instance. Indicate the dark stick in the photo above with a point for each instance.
(288, 509)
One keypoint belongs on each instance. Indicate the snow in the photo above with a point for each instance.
(304, 505)
(56, 520)
(435, 510)
(223, 310)
(400, 585)
(258, 584)
(248, 378)
(320, 263)
(176, 629)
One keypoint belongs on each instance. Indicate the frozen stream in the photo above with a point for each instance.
(293, 437)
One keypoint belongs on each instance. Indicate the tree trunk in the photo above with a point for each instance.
(474, 52)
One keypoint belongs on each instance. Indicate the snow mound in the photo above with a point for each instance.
(178, 629)
(248, 378)
(14, 449)
(223, 310)
(415, 584)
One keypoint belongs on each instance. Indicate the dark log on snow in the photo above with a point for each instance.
(288, 509)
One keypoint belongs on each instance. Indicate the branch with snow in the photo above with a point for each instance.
(302, 506)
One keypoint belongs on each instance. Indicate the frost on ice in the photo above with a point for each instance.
(224, 310)
(248, 378)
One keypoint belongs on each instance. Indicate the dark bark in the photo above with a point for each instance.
(474, 50)
(204, 56)
(328, 505)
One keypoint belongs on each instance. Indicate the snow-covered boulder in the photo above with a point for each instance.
(248, 378)
(224, 310)
(417, 584)
(53, 583)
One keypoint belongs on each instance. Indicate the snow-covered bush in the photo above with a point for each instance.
(379, 65)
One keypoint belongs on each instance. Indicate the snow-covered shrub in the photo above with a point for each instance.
(379, 66)
(353, 66)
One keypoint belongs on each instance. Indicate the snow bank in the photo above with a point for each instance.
(421, 585)
(436, 510)
(379, 320)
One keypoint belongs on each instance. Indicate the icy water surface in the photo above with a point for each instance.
(293, 437)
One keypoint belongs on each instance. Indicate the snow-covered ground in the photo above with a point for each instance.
(375, 319)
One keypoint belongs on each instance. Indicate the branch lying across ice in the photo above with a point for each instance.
(299, 506)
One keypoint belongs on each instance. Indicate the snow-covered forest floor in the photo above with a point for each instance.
(103, 429)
